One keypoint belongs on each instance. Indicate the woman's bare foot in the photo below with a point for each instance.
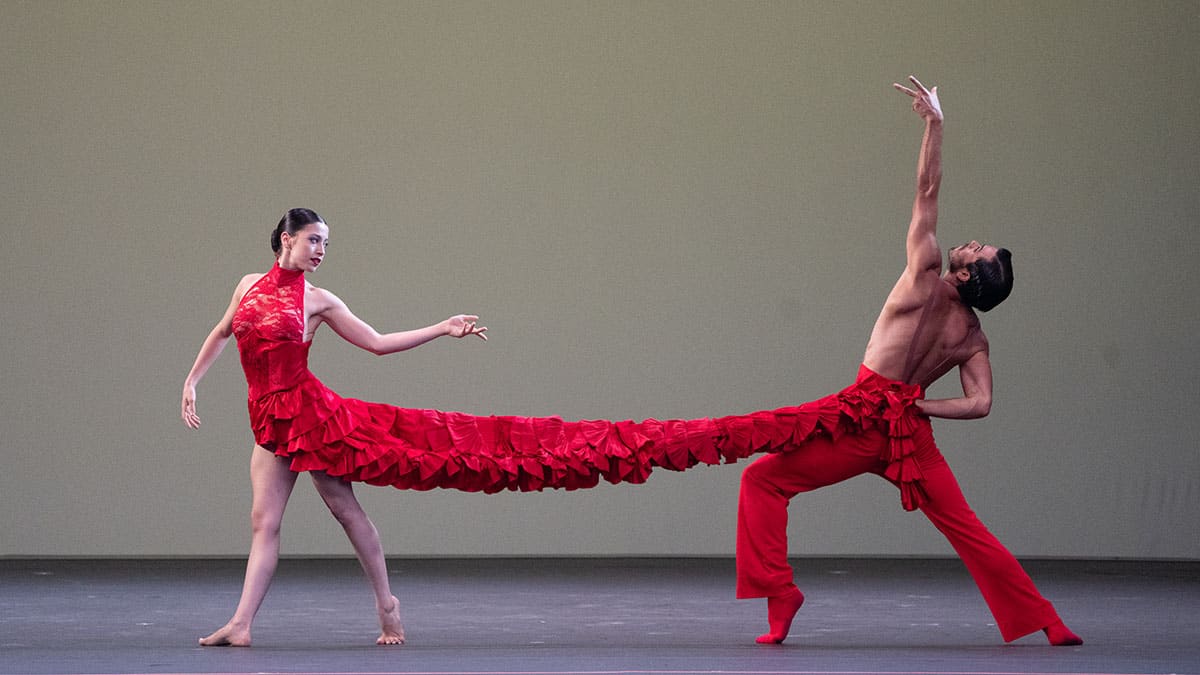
(229, 635)
(389, 621)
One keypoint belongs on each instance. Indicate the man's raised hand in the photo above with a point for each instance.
(925, 101)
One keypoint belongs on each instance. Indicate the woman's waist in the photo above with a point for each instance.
(261, 388)
(267, 375)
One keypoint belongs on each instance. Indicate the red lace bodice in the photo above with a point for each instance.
(269, 327)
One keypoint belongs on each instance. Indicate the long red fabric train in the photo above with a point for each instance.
(293, 414)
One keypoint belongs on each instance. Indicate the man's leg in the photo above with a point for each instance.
(768, 485)
(1010, 594)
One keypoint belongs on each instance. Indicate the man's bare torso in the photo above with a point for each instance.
(923, 331)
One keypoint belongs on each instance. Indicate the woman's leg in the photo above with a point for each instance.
(339, 497)
(271, 480)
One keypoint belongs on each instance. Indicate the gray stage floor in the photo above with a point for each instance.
(587, 616)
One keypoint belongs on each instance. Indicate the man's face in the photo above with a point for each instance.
(961, 256)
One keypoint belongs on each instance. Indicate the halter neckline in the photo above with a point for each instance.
(286, 275)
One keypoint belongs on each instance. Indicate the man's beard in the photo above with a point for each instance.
(952, 262)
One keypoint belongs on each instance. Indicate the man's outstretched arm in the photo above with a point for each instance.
(922, 245)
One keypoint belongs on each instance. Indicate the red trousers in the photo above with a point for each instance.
(770, 482)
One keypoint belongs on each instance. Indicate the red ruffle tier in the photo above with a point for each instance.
(419, 449)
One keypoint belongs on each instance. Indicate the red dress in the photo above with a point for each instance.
(294, 415)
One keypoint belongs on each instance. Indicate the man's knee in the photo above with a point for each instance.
(760, 475)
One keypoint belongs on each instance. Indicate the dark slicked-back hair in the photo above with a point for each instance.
(292, 222)
(990, 283)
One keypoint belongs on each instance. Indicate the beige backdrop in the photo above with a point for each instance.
(661, 209)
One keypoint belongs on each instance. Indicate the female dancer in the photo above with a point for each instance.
(274, 316)
(300, 425)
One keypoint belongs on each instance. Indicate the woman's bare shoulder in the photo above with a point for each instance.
(246, 282)
(320, 299)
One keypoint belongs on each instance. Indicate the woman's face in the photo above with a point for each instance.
(306, 249)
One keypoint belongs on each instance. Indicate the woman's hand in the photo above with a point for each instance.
(462, 325)
(189, 407)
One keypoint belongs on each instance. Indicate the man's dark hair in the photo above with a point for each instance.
(990, 283)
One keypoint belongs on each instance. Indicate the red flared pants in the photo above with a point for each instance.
(770, 482)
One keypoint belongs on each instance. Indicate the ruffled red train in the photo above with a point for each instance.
(424, 449)
(293, 414)
(419, 449)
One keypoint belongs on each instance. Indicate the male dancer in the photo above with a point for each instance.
(881, 423)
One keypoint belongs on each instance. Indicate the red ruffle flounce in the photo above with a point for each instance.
(419, 449)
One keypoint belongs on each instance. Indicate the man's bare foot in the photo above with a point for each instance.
(228, 635)
(1060, 636)
(781, 609)
(389, 621)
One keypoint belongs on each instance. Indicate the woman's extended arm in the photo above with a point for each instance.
(358, 333)
(209, 351)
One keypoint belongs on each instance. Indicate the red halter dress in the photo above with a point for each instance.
(295, 416)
